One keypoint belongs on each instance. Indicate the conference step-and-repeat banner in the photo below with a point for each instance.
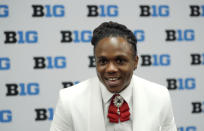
(45, 46)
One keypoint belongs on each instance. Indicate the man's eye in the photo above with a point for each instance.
(119, 61)
(102, 61)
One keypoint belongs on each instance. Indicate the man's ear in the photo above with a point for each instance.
(136, 59)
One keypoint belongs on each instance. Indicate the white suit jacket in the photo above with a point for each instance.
(79, 107)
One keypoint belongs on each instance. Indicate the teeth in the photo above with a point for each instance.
(113, 79)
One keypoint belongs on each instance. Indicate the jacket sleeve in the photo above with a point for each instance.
(168, 122)
(62, 120)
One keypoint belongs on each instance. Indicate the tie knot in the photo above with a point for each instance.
(117, 100)
(118, 109)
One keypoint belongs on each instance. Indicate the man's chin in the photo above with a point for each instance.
(114, 89)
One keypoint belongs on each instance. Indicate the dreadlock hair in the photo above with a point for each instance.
(113, 29)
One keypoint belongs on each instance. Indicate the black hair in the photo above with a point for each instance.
(114, 29)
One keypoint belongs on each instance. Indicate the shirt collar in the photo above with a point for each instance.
(126, 93)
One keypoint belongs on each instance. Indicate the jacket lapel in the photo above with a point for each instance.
(139, 106)
(96, 116)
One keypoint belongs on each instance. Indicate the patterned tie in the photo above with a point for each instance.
(118, 109)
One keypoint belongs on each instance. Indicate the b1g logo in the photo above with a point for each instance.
(154, 10)
(92, 61)
(180, 35)
(69, 83)
(4, 11)
(49, 62)
(21, 37)
(197, 107)
(196, 10)
(155, 60)
(197, 59)
(140, 35)
(5, 63)
(48, 11)
(102, 10)
(43, 114)
(76, 36)
(181, 83)
(22, 89)
(187, 128)
(5, 116)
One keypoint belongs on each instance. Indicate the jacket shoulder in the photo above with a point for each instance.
(79, 90)
(150, 88)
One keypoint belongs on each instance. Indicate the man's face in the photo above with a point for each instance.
(115, 63)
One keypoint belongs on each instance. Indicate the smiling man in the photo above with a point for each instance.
(116, 100)
(115, 63)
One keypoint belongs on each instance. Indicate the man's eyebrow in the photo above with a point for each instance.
(100, 57)
(121, 56)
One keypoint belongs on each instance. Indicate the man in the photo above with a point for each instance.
(116, 100)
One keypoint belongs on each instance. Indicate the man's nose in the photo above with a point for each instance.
(111, 68)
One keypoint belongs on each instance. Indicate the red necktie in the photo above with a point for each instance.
(118, 112)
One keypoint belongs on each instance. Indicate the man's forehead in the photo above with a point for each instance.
(113, 43)
(115, 54)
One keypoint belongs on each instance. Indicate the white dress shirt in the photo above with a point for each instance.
(127, 96)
